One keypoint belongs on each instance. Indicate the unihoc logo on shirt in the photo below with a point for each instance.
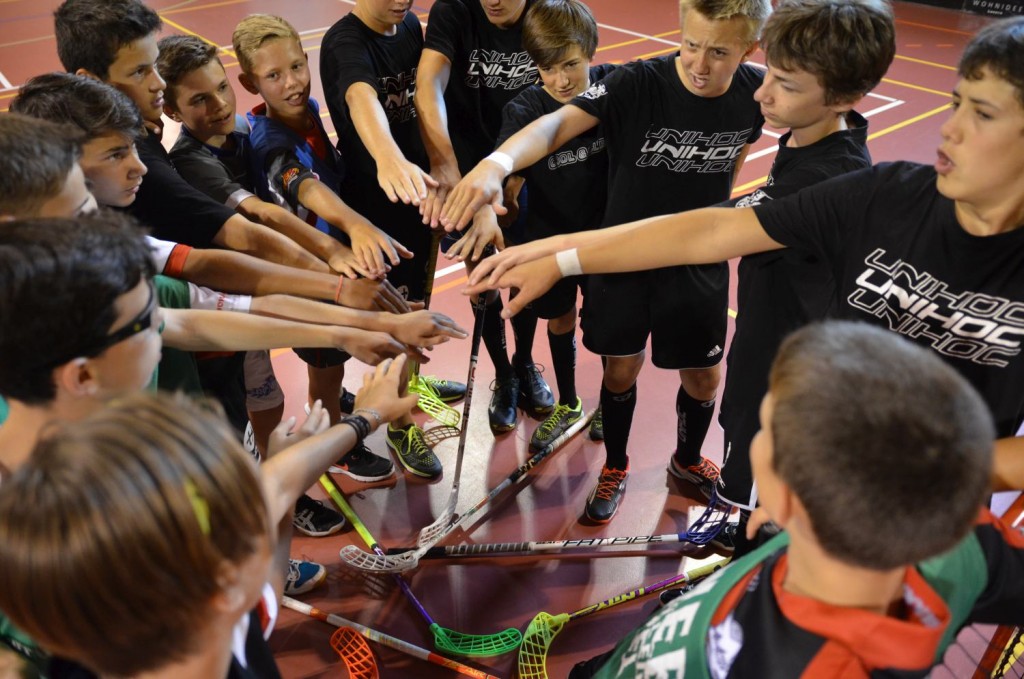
(692, 150)
(972, 326)
(500, 70)
(595, 91)
(397, 93)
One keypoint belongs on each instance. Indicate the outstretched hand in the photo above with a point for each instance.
(492, 268)
(478, 188)
(404, 181)
(285, 434)
(424, 328)
(532, 279)
(384, 391)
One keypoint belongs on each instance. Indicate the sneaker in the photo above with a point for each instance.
(560, 419)
(725, 541)
(413, 452)
(362, 465)
(703, 475)
(315, 519)
(597, 425)
(674, 593)
(347, 401)
(604, 499)
(502, 414)
(445, 390)
(535, 395)
(303, 576)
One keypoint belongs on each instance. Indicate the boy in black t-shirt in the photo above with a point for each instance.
(934, 253)
(116, 41)
(561, 38)
(473, 63)
(677, 131)
(368, 68)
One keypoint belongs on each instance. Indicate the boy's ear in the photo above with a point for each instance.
(88, 74)
(846, 105)
(750, 50)
(77, 377)
(247, 83)
(172, 113)
(230, 596)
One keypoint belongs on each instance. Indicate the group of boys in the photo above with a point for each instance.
(666, 135)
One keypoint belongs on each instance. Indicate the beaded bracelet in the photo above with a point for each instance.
(359, 425)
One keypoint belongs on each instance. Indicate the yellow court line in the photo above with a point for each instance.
(635, 41)
(926, 63)
(194, 8)
(203, 38)
(667, 50)
(934, 28)
(898, 126)
(915, 87)
(313, 35)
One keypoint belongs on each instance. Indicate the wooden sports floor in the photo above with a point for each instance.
(486, 595)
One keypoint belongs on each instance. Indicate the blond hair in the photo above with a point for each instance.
(256, 29)
(754, 12)
(114, 533)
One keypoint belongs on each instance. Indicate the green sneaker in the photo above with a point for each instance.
(556, 424)
(413, 452)
(445, 390)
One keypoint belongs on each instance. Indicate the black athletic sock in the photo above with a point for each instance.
(618, 419)
(694, 420)
(494, 339)
(563, 362)
(524, 329)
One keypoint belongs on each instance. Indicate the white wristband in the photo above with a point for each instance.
(568, 262)
(502, 159)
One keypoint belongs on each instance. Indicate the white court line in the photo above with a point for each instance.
(5, 82)
(633, 33)
(461, 266)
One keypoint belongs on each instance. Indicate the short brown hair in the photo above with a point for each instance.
(114, 532)
(36, 157)
(254, 30)
(552, 27)
(179, 56)
(755, 12)
(846, 44)
(888, 448)
(998, 47)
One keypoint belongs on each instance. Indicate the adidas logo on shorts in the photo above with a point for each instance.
(715, 352)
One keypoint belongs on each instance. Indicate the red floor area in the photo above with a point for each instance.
(486, 595)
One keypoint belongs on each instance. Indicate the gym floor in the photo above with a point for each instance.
(484, 595)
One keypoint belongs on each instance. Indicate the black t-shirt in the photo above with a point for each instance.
(567, 187)
(901, 260)
(489, 67)
(170, 206)
(221, 173)
(354, 53)
(668, 149)
(782, 290)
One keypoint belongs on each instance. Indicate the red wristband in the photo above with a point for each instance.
(337, 292)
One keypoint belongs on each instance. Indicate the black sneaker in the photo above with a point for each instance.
(535, 395)
(315, 519)
(704, 475)
(413, 452)
(362, 465)
(560, 419)
(347, 401)
(674, 593)
(725, 542)
(597, 425)
(445, 390)
(502, 414)
(607, 494)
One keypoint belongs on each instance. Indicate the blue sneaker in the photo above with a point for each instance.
(303, 576)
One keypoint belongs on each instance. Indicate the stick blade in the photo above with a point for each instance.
(533, 654)
(378, 563)
(476, 645)
(355, 653)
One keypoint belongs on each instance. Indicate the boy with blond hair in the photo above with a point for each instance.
(298, 166)
(677, 130)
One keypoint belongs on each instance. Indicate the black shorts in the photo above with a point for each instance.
(683, 309)
(322, 358)
(560, 298)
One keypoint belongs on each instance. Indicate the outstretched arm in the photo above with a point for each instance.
(483, 184)
(432, 74)
(694, 237)
(400, 179)
(241, 235)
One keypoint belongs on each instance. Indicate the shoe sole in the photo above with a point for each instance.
(359, 477)
(414, 472)
(320, 534)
